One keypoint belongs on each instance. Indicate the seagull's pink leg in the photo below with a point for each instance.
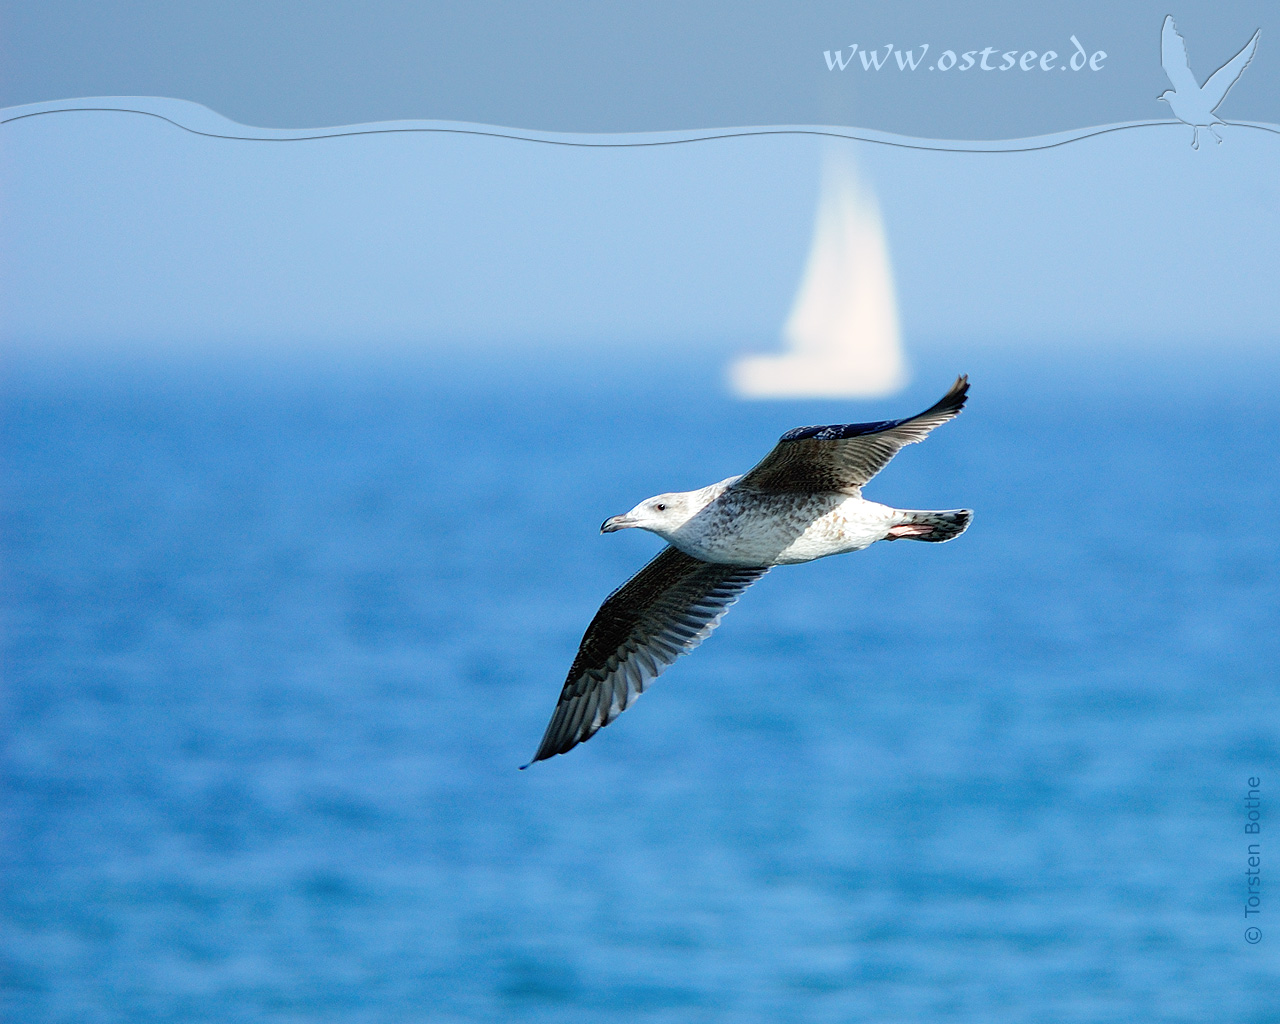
(908, 530)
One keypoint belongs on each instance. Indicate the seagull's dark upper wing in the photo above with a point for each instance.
(845, 456)
(1173, 58)
(667, 609)
(1220, 82)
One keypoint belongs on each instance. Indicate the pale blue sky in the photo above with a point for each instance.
(124, 231)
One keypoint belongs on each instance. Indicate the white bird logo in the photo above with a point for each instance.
(1191, 102)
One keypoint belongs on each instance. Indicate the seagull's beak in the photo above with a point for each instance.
(615, 523)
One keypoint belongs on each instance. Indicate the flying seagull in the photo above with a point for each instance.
(1190, 102)
(803, 501)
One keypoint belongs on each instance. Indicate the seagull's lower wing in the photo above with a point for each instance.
(844, 456)
(667, 609)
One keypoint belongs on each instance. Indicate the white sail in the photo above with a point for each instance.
(842, 337)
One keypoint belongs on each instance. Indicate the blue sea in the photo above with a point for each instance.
(277, 637)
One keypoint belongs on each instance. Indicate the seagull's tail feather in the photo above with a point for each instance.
(934, 527)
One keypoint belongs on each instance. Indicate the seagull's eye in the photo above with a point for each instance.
(660, 507)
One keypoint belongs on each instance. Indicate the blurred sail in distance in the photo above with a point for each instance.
(842, 337)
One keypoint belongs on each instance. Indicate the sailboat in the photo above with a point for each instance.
(842, 337)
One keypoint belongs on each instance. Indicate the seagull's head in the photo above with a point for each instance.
(662, 514)
(1164, 96)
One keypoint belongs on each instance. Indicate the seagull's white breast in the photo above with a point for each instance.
(750, 528)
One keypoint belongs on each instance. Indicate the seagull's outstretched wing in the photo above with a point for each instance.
(845, 456)
(1173, 58)
(665, 610)
(1220, 82)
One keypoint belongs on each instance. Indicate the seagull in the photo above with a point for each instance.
(1190, 102)
(802, 501)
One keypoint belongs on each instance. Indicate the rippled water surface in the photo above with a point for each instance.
(277, 642)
